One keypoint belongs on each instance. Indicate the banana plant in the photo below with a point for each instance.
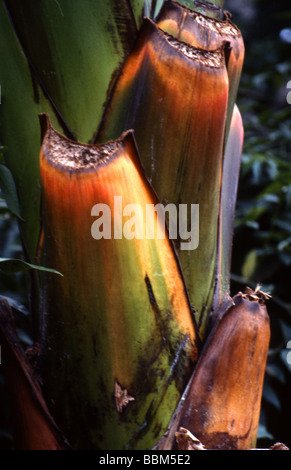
(118, 117)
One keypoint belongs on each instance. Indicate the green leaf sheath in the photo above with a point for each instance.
(119, 316)
(74, 68)
(21, 102)
(175, 100)
(229, 186)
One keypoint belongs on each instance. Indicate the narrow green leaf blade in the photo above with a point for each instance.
(14, 265)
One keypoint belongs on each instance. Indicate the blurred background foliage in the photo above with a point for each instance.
(262, 238)
(14, 287)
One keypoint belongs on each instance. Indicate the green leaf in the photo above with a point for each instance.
(2, 154)
(152, 8)
(8, 189)
(250, 264)
(14, 265)
(207, 8)
(263, 433)
(21, 102)
(75, 49)
(271, 396)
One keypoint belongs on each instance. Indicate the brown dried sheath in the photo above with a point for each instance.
(221, 405)
(207, 33)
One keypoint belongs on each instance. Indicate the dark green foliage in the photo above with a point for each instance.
(14, 288)
(262, 242)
